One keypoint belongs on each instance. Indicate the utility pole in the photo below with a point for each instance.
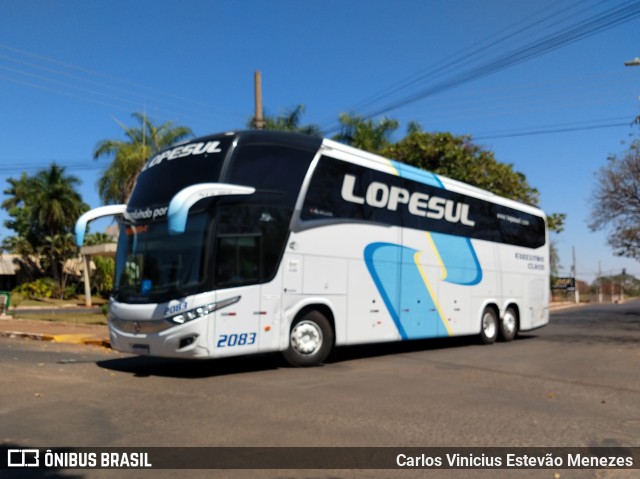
(575, 280)
(258, 120)
(634, 63)
(599, 283)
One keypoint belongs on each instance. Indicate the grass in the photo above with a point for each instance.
(66, 316)
(62, 310)
(55, 303)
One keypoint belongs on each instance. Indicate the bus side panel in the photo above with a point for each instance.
(368, 319)
(489, 290)
(538, 298)
(271, 314)
(237, 326)
(335, 269)
(525, 280)
(324, 275)
(460, 277)
(464, 302)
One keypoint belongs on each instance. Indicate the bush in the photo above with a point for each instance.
(38, 289)
(70, 292)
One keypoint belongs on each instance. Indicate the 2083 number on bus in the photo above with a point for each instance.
(231, 340)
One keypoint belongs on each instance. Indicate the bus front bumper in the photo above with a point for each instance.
(178, 341)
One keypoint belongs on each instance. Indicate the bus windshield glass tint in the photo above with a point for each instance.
(152, 266)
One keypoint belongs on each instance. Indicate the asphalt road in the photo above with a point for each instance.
(574, 383)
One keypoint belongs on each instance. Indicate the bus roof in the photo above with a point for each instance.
(313, 143)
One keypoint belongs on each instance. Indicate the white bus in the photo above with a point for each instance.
(258, 241)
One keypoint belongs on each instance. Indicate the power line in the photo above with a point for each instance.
(75, 165)
(552, 129)
(123, 91)
(456, 60)
(484, 104)
(577, 31)
(22, 167)
(535, 49)
(130, 96)
(112, 78)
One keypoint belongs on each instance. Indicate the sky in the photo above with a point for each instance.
(541, 84)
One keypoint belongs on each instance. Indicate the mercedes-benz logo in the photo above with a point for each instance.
(136, 327)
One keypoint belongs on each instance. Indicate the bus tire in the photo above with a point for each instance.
(489, 326)
(310, 340)
(509, 325)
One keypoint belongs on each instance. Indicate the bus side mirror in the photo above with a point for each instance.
(81, 224)
(186, 198)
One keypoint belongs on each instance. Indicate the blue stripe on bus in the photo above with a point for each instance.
(416, 174)
(459, 258)
(402, 287)
(405, 289)
(457, 253)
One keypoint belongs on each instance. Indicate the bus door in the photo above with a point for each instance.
(237, 270)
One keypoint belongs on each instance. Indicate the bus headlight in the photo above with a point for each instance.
(202, 311)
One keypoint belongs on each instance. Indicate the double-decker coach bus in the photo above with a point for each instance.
(257, 241)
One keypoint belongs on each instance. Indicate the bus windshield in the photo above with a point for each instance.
(152, 266)
(229, 241)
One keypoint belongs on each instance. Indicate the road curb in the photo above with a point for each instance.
(59, 338)
(21, 334)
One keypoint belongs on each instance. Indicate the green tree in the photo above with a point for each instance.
(43, 209)
(55, 202)
(129, 155)
(20, 217)
(56, 251)
(366, 134)
(99, 238)
(457, 157)
(616, 201)
(105, 266)
(289, 121)
(45, 204)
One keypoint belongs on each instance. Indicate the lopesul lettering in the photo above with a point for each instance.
(381, 195)
(183, 151)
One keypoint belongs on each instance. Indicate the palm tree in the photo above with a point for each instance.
(44, 204)
(44, 207)
(365, 134)
(20, 217)
(129, 156)
(55, 252)
(57, 203)
(290, 121)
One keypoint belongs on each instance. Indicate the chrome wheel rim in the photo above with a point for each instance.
(509, 323)
(306, 337)
(489, 325)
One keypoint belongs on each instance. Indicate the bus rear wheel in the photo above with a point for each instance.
(489, 326)
(509, 325)
(310, 340)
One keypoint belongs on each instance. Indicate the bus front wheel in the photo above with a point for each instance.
(310, 340)
(489, 326)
